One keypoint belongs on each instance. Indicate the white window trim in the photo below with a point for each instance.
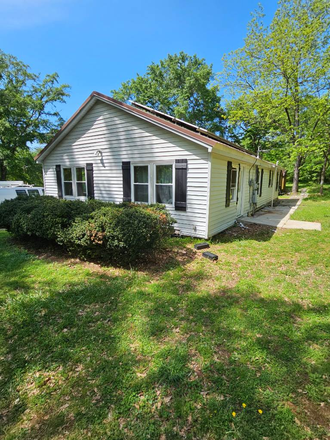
(170, 205)
(152, 180)
(74, 182)
(234, 199)
(133, 183)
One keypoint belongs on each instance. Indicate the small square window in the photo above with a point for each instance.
(68, 189)
(141, 174)
(80, 174)
(81, 189)
(33, 192)
(67, 174)
(21, 192)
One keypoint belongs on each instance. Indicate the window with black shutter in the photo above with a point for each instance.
(231, 184)
(74, 182)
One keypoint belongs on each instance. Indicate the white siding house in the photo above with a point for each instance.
(115, 152)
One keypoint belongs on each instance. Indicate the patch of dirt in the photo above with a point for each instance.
(249, 231)
(314, 414)
(222, 355)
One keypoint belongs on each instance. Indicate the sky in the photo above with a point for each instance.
(98, 44)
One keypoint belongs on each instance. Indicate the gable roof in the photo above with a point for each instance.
(178, 126)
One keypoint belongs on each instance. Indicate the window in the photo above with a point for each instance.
(21, 192)
(68, 183)
(33, 192)
(74, 182)
(141, 183)
(81, 182)
(164, 184)
(233, 185)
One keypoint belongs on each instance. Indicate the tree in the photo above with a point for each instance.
(24, 167)
(27, 109)
(276, 79)
(322, 138)
(180, 86)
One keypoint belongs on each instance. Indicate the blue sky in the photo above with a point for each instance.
(96, 45)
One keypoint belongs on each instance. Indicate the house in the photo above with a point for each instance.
(117, 152)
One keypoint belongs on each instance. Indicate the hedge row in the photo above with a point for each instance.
(92, 229)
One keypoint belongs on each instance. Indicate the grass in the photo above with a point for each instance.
(171, 352)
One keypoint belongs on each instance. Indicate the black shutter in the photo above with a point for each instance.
(257, 174)
(238, 182)
(59, 181)
(261, 181)
(181, 169)
(277, 179)
(229, 168)
(126, 168)
(90, 180)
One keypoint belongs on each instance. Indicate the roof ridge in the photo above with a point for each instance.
(183, 128)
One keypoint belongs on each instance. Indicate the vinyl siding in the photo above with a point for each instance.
(266, 195)
(221, 217)
(124, 137)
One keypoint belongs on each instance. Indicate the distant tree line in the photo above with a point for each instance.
(278, 86)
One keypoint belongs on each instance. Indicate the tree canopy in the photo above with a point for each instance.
(279, 81)
(181, 86)
(28, 111)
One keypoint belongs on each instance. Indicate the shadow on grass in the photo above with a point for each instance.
(124, 357)
(171, 255)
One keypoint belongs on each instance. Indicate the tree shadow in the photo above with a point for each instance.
(127, 356)
(171, 255)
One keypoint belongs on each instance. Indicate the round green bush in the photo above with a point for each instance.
(46, 217)
(121, 234)
(93, 229)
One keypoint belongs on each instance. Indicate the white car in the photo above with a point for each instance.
(11, 190)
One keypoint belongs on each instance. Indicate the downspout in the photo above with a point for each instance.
(208, 194)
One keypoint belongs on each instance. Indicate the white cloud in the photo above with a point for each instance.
(20, 14)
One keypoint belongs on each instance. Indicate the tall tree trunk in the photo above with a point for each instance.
(324, 169)
(297, 165)
(3, 170)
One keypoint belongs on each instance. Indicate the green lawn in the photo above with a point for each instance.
(173, 351)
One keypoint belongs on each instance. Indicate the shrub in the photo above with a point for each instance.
(120, 234)
(91, 229)
(8, 210)
(45, 217)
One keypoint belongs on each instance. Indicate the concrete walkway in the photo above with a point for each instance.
(279, 216)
